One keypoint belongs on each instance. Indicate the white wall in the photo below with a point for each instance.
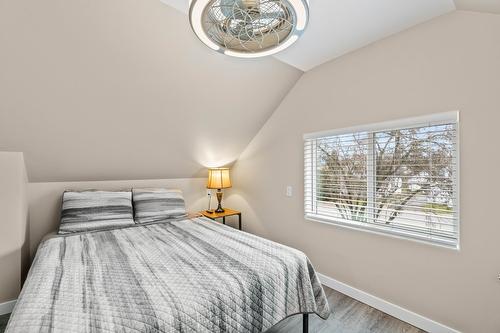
(13, 223)
(450, 63)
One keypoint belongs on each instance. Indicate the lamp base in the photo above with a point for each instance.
(219, 199)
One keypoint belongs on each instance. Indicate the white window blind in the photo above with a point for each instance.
(398, 178)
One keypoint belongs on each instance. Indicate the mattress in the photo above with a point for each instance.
(189, 275)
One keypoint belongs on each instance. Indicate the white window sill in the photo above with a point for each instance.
(374, 229)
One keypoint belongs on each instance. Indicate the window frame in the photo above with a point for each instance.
(420, 121)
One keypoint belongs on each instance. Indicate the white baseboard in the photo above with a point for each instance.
(7, 307)
(394, 310)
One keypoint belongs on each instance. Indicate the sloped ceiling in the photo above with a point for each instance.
(337, 27)
(122, 89)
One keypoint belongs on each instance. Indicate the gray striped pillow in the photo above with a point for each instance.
(156, 204)
(95, 210)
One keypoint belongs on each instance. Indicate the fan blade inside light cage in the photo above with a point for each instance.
(249, 26)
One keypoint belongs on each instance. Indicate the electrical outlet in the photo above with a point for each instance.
(289, 191)
(209, 192)
(498, 277)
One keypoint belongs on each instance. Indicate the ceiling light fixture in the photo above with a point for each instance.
(248, 28)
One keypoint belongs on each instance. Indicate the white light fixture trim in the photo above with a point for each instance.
(248, 28)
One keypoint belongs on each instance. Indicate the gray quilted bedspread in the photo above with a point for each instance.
(184, 276)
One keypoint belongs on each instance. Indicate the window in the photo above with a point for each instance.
(398, 178)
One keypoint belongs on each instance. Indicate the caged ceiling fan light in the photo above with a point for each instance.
(248, 28)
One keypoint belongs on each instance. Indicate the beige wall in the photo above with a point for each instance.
(45, 199)
(13, 223)
(21, 234)
(123, 89)
(487, 6)
(450, 63)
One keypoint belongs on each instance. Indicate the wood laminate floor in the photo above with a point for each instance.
(348, 316)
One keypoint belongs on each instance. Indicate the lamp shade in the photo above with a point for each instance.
(218, 178)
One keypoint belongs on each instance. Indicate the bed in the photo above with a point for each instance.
(182, 275)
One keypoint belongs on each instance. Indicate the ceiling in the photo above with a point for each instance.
(121, 89)
(337, 27)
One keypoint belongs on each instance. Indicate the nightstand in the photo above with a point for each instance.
(227, 212)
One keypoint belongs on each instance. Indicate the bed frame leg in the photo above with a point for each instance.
(305, 323)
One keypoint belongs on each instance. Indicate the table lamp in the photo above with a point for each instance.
(218, 178)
